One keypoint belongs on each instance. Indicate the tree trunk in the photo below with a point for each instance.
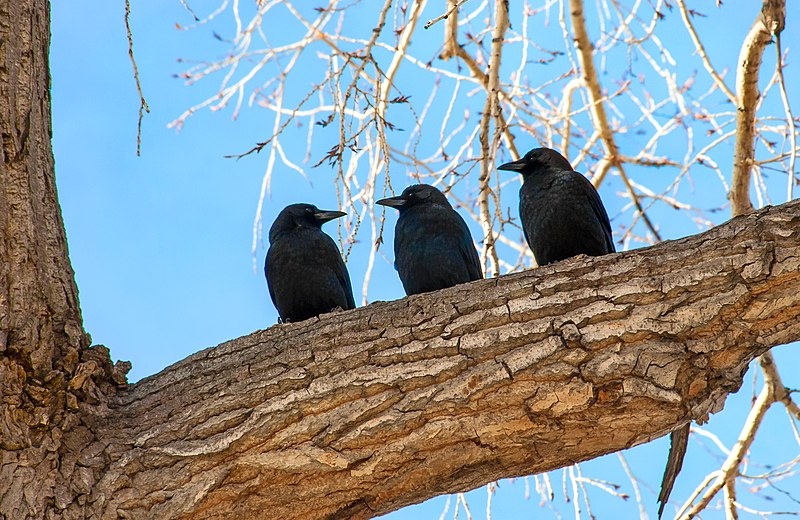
(362, 412)
(41, 334)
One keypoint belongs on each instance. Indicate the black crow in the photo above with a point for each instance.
(305, 272)
(561, 213)
(433, 247)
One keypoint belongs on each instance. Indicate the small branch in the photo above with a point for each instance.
(759, 36)
(771, 376)
(730, 498)
(597, 106)
(444, 16)
(636, 202)
(701, 51)
(590, 79)
(185, 6)
(789, 119)
(565, 110)
(491, 108)
(453, 49)
(399, 53)
(143, 107)
(634, 484)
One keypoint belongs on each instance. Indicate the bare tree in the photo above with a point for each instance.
(437, 393)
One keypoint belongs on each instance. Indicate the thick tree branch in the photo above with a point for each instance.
(361, 412)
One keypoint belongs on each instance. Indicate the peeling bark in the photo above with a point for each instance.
(361, 412)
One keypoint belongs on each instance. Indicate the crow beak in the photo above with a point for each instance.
(514, 166)
(392, 202)
(323, 216)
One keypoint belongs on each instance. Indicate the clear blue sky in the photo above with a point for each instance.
(161, 244)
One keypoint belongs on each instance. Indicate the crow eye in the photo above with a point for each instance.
(309, 210)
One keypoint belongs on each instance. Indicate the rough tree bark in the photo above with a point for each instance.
(361, 412)
(41, 334)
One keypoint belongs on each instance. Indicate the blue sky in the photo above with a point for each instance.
(161, 244)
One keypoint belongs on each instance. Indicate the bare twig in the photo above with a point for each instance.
(143, 107)
(635, 484)
(793, 148)
(701, 51)
(444, 16)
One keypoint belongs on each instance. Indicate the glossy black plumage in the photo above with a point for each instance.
(433, 247)
(305, 272)
(560, 211)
